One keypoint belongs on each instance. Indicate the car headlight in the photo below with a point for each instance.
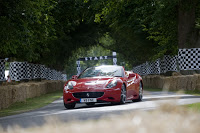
(70, 85)
(112, 84)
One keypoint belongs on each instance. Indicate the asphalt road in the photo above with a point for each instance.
(56, 109)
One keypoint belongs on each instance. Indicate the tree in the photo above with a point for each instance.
(188, 34)
(26, 28)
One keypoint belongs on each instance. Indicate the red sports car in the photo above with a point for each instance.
(106, 83)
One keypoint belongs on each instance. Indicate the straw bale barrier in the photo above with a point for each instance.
(181, 82)
(10, 94)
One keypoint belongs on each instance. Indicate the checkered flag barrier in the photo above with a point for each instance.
(30, 73)
(43, 70)
(50, 74)
(2, 70)
(23, 70)
(138, 69)
(64, 77)
(18, 71)
(36, 71)
(189, 59)
(54, 75)
(152, 67)
(167, 63)
(59, 75)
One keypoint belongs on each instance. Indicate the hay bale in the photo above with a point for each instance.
(144, 79)
(182, 83)
(194, 81)
(173, 83)
(49, 86)
(166, 83)
(5, 97)
(150, 82)
(37, 89)
(32, 90)
(29, 93)
(20, 93)
(43, 88)
(147, 82)
(10, 94)
(2, 97)
(191, 82)
(158, 82)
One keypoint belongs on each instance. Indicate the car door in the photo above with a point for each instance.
(131, 85)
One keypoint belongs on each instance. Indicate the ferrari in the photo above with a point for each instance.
(107, 83)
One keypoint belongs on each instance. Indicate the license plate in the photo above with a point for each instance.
(88, 100)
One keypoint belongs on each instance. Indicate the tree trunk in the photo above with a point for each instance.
(188, 35)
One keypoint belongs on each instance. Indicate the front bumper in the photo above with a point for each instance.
(109, 95)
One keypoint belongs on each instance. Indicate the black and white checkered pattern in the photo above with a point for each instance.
(23, 70)
(48, 73)
(29, 68)
(59, 75)
(64, 77)
(153, 67)
(36, 71)
(51, 75)
(54, 75)
(2, 70)
(18, 71)
(138, 69)
(43, 71)
(169, 63)
(189, 59)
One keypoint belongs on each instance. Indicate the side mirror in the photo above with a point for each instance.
(131, 75)
(74, 77)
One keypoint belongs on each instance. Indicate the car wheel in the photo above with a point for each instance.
(90, 104)
(70, 106)
(140, 94)
(123, 94)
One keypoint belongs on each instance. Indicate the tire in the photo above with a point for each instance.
(70, 106)
(123, 95)
(140, 93)
(90, 104)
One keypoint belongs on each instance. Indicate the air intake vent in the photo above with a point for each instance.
(88, 94)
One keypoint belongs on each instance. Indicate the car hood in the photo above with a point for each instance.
(91, 84)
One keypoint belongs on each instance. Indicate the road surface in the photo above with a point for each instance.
(151, 100)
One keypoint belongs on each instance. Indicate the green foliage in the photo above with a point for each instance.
(150, 27)
(55, 33)
(26, 28)
(45, 31)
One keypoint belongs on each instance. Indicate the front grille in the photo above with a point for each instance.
(88, 94)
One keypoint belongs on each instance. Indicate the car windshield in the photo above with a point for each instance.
(114, 71)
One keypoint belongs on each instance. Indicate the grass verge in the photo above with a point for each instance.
(31, 104)
(194, 106)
